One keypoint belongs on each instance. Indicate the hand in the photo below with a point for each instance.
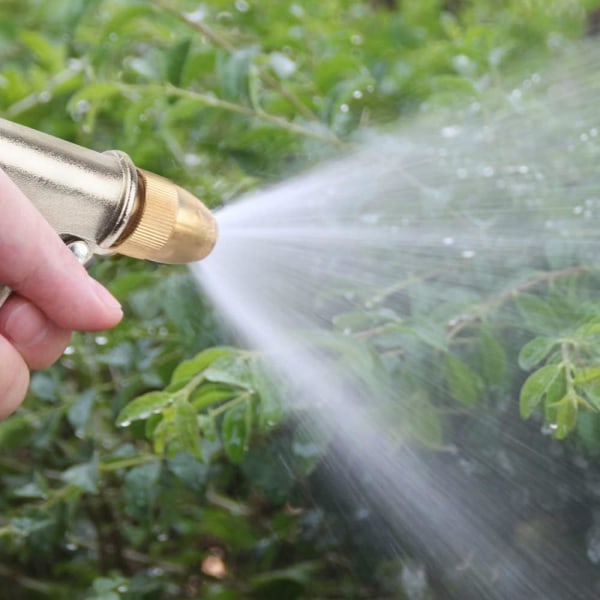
(53, 295)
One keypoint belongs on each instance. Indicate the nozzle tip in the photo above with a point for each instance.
(171, 225)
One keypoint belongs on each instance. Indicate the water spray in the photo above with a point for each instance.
(101, 203)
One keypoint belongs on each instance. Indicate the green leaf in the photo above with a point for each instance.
(84, 476)
(566, 417)
(492, 355)
(537, 314)
(535, 351)
(587, 375)
(425, 423)
(463, 383)
(190, 368)
(186, 430)
(536, 387)
(232, 369)
(234, 71)
(212, 393)
(80, 412)
(141, 489)
(236, 430)
(301, 573)
(93, 93)
(176, 57)
(270, 408)
(143, 407)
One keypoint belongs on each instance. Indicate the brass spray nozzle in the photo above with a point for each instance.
(102, 203)
(168, 224)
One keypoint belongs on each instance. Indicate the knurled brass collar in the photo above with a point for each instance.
(155, 220)
(170, 225)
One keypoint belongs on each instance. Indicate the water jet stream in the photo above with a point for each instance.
(360, 277)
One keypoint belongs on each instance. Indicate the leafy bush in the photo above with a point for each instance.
(147, 463)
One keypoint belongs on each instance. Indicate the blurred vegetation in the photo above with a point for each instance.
(209, 492)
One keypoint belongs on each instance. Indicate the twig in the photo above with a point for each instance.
(484, 308)
(222, 42)
(213, 101)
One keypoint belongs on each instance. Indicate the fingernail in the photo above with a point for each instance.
(26, 326)
(106, 298)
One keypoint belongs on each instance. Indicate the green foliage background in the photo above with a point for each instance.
(223, 96)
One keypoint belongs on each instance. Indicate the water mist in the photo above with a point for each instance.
(378, 283)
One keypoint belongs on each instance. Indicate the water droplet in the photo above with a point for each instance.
(448, 241)
(82, 107)
(122, 589)
(69, 350)
(467, 253)
(347, 331)
(296, 10)
(282, 64)
(162, 537)
(44, 97)
(124, 423)
(488, 171)
(71, 547)
(370, 218)
(75, 64)
(344, 108)
(357, 94)
(450, 131)
(463, 64)
(523, 169)
(192, 160)
(553, 426)
(536, 78)
(356, 39)
(593, 132)
(242, 6)
(584, 137)
(578, 210)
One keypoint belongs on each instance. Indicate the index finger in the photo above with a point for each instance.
(35, 263)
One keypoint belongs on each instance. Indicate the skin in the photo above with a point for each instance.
(53, 296)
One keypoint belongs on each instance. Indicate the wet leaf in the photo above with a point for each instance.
(492, 357)
(84, 476)
(537, 314)
(464, 384)
(236, 431)
(566, 417)
(190, 368)
(186, 429)
(232, 369)
(143, 407)
(587, 376)
(535, 351)
(536, 387)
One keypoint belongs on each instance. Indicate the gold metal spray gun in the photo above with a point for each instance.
(102, 203)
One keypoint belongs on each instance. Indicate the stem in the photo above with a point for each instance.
(230, 403)
(214, 102)
(222, 42)
(497, 301)
(126, 463)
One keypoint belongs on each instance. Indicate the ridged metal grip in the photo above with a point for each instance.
(102, 202)
(81, 193)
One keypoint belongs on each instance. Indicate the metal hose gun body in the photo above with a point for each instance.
(102, 203)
